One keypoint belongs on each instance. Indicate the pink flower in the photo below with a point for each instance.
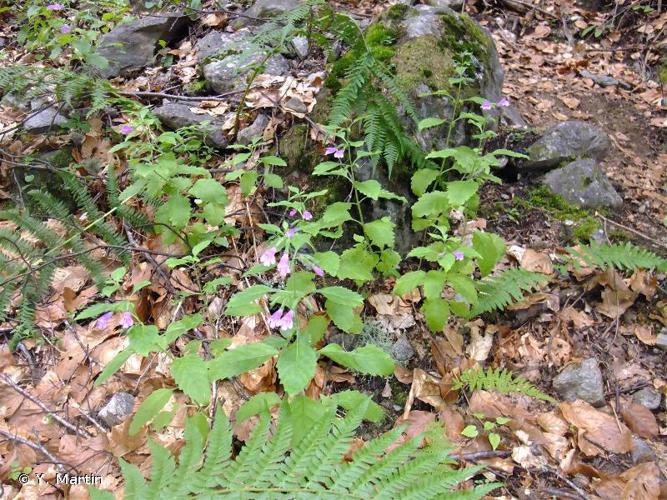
(65, 28)
(458, 255)
(337, 152)
(284, 322)
(307, 215)
(126, 320)
(292, 212)
(290, 232)
(504, 102)
(268, 258)
(283, 265)
(318, 270)
(103, 321)
(486, 105)
(55, 6)
(126, 129)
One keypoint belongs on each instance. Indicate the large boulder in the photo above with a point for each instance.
(218, 44)
(582, 183)
(269, 8)
(567, 141)
(175, 115)
(231, 72)
(131, 46)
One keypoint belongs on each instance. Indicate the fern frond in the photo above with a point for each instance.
(346, 98)
(497, 292)
(500, 380)
(619, 256)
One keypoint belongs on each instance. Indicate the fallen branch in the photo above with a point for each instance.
(52, 414)
(35, 446)
(633, 231)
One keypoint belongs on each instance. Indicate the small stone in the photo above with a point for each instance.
(270, 8)
(601, 80)
(402, 351)
(248, 134)
(567, 141)
(641, 451)
(176, 115)
(44, 120)
(581, 381)
(300, 46)
(118, 408)
(661, 341)
(296, 105)
(582, 183)
(648, 397)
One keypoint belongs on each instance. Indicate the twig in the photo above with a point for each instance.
(581, 493)
(634, 231)
(35, 446)
(32, 398)
(219, 97)
(481, 455)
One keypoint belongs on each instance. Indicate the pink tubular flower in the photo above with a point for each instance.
(65, 28)
(318, 270)
(283, 265)
(290, 232)
(284, 322)
(126, 320)
(292, 212)
(268, 258)
(307, 215)
(486, 105)
(126, 130)
(337, 152)
(458, 255)
(275, 318)
(504, 102)
(55, 6)
(103, 321)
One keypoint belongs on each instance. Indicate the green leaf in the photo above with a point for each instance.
(190, 374)
(470, 431)
(502, 420)
(316, 328)
(494, 440)
(248, 181)
(422, 179)
(353, 399)
(369, 359)
(465, 287)
(144, 339)
(178, 328)
(273, 181)
(296, 366)
(210, 191)
(357, 264)
(344, 317)
(259, 403)
(113, 366)
(175, 212)
(327, 168)
(98, 309)
(239, 360)
(431, 204)
(328, 261)
(243, 303)
(491, 249)
(408, 282)
(343, 296)
(370, 188)
(458, 192)
(436, 313)
(429, 123)
(335, 215)
(273, 160)
(149, 409)
(380, 232)
(434, 282)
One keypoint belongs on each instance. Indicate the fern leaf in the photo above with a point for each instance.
(497, 292)
(500, 380)
(620, 256)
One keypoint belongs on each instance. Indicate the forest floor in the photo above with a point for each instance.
(618, 450)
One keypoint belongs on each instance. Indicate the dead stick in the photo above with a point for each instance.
(55, 416)
(35, 446)
(634, 231)
(481, 455)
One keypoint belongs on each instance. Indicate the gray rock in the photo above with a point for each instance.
(118, 408)
(130, 46)
(300, 46)
(582, 183)
(43, 117)
(641, 451)
(581, 381)
(248, 134)
(648, 397)
(601, 80)
(567, 141)
(452, 4)
(270, 8)
(221, 43)
(402, 351)
(661, 341)
(231, 72)
(176, 115)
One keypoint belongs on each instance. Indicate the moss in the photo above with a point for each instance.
(397, 12)
(464, 34)
(585, 224)
(417, 62)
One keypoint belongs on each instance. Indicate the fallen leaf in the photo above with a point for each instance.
(598, 428)
(640, 420)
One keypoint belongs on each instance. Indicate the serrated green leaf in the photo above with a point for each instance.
(296, 366)
(209, 190)
(380, 232)
(343, 296)
(239, 360)
(243, 303)
(465, 287)
(436, 313)
(494, 440)
(431, 204)
(490, 247)
(273, 160)
(175, 212)
(191, 375)
(422, 179)
(408, 282)
(149, 409)
(429, 123)
(470, 431)
(259, 403)
(98, 309)
(344, 317)
(328, 261)
(458, 192)
(357, 264)
(353, 399)
(369, 359)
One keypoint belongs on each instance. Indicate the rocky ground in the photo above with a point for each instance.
(589, 114)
